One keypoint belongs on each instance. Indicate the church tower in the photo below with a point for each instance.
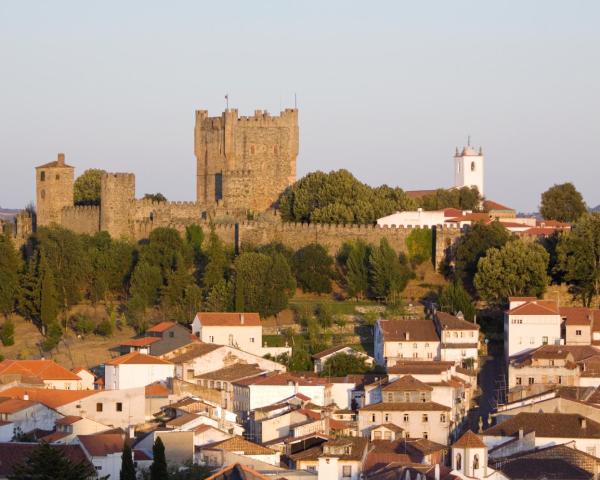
(468, 168)
(469, 456)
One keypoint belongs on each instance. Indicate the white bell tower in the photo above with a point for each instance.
(468, 168)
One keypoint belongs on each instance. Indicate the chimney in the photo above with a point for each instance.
(242, 318)
(520, 434)
(437, 471)
(60, 159)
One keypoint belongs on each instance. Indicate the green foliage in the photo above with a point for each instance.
(127, 467)
(313, 268)
(9, 278)
(420, 245)
(516, 269)
(473, 245)
(454, 298)
(563, 203)
(105, 328)
(324, 314)
(86, 189)
(155, 197)
(82, 324)
(49, 306)
(53, 335)
(551, 245)
(7, 332)
(194, 236)
(388, 273)
(166, 250)
(300, 360)
(465, 198)
(220, 297)
(218, 262)
(357, 268)
(263, 283)
(158, 469)
(338, 197)
(579, 258)
(343, 364)
(146, 282)
(47, 462)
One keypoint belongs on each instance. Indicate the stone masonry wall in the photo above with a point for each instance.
(81, 219)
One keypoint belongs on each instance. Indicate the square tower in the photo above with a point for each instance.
(468, 168)
(54, 190)
(245, 163)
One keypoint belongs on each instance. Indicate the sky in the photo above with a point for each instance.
(385, 89)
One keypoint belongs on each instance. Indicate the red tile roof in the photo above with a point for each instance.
(469, 440)
(161, 327)
(579, 315)
(229, 319)
(137, 358)
(491, 205)
(406, 383)
(43, 369)
(14, 405)
(283, 379)
(52, 398)
(405, 407)
(102, 444)
(409, 330)
(12, 454)
(68, 420)
(157, 390)
(140, 342)
(536, 307)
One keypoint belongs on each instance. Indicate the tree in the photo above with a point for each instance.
(313, 268)
(7, 332)
(473, 245)
(146, 282)
(357, 269)
(579, 258)
(562, 203)
(158, 469)
(127, 466)
(420, 245)
(343, 364)
(218, 262)
(155, 197)
(9, 278)
(516, 269)
(388, 276)
(454, 298)
(50, 463)
(49, 306)
(87, 187)
(464, 198)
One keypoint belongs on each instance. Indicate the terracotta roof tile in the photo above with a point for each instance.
(191, 351)
(52, 398)
(536, 307)
(405, 407)
(408, 330)
(68, 420)
(406, 383)
(239, 444)
(161, 327)
(469, 440)
(102, 444)
(14, 405)
(579, 315)
(157, 390)
(556, 425)
(43, 369)
(140, 342)
(452, 322)
(137, 358)
(238, 471)
(12, 454)
(229, 319)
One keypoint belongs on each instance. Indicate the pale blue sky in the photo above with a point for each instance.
(385, 89)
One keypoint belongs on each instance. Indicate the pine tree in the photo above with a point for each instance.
(357, 264)
(7, 332)
(50, 463)
(9, 279)
(48, 295)
(158, 469)
(388, 275)
(217, 264)
(127, 466)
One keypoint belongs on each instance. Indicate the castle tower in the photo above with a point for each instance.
(53, 190)
(245, 163)
(469, 456)
(468, 168)
(117, 193)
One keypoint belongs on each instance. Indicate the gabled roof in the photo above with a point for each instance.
(420, 367)
(543, 468)
(42, 369)
(52, 398)
(102, 444)
(284, 378)
(237, 472)
(452, 322)
(406, 383)
(556, 425)
(536, 307)
(405, 407)
(140, 342)
(137, 358)
(239, 444)
(579, 315)
(156, 389)
(14, 405)
(329, 351)
(490, 205)
(469, 440)
(408, 330)
(182, 420)
(15, 453)
(161, 327)
(68, 420)
(390, 426)
(229, 319)
(191, 351)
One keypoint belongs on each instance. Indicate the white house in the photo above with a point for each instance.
(104, 450)
(136, 370)
(239, 330)
(321, 358)
(50, 373)
(24, 415)
(398, 340)
(530, 323)
(470, 459)
(459, 339)
(87, 378)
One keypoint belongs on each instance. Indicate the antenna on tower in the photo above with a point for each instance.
(227, 101)
(469, 141)
(295, 101)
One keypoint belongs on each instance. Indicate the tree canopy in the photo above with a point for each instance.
(518, 268)
(338, 197)
(313, 268)
(454, 299)
(464, 198)
(9, 275)
(563, 203)
(87, 187)
(343, 364)
(155, 197)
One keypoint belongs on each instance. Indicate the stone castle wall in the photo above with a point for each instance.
(81, 219)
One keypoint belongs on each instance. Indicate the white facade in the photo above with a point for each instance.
(527, 332)
(416, 218)
(108, 466)
(27, 419)
(128, 375)
(468, 169)
(87, 379)
(388, 352)
(244, 337)
(250, 397)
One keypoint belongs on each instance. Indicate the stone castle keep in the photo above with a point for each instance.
(243, 165)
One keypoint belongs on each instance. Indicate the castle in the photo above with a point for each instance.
(243, 166)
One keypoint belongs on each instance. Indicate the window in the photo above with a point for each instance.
(171, 334)
(531, 340)
(119, 407)
(415, 345)
(406, 397)
(347, 471)
(425, 435)
(251, 339)
(230, 339)
(559, 379)
(406, 417)
(211, 339)
(377, 435)
(530, 380)
(518, 380)
(98, 407)
(42, 176)
(578, 333)
(311, 468)
(57, 176)
(373, 418)
(455, 334)
(390, 397)
(218, 186)
(472, 166)
(425, 418)
(442, 418)
(426, 345)
(423, 397)
(520, 340)
(386, 417)
(458, 461)
(475, 462)
(415, 355)
(544, 340)
(463, 353)
(470, 333)
(429, 355)
(387, 435)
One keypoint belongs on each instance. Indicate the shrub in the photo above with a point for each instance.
(82, 324)
(7, 333)
(105, 328)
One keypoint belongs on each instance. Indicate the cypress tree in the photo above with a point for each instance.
(127, 466)
(357, 277)
(48, 294)
(9, 280)
(158, 469)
